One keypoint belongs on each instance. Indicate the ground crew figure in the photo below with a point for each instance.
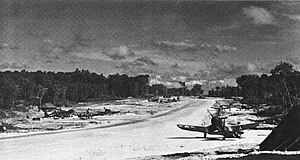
(46, 114)
(88, 113)
(220, 110)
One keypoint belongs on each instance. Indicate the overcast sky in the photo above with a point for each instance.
(170, 40)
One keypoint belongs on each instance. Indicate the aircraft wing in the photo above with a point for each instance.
(245, 126)
(192, 128)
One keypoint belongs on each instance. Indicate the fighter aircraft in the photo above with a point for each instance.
(218, 127)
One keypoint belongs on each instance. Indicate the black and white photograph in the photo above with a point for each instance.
(149, 79)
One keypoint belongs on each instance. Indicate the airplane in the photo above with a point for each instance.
(218, 127)
(89, 115)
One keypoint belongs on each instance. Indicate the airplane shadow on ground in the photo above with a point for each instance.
(185, 137)
(205, 139)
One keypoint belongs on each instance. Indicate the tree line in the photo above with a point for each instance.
(67, 88)
(225, 91)
(281, 88)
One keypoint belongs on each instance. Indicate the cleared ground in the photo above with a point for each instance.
(148, 136)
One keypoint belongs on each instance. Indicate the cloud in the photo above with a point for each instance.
(293, 59)
(157, 74)
(81, 41)
(219, 70)
(294, 17)
(172, 79)
(119, 53)
(266, 67)
(155, 80)
(50, 51)
(251, 67)
(207, 85)
(229, 82)
(93, 55)
(145, 60)
(259, 15)
(116, 56)
(14, 65)
(141, 61)
(73, 62)
(124, 50)
(188, 50)
(49, 61)
(134, 70)
(179, 44)
(4, 65)
(109, 53)
(202, 74)
(225, 48)
(141, 65)
(207, 77)
(174, 82)
(193, 82)
(9, 46)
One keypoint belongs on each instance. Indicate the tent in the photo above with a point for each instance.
(286, 136)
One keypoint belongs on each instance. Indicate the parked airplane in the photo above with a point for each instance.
(218, 127)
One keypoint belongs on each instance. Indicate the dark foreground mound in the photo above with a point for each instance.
(286, 136)
(265, 157)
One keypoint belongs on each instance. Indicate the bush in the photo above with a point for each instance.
(271, 111)
(3, 114)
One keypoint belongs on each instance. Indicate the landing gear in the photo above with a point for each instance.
(237, 136)
(224, 135)
(205, 134)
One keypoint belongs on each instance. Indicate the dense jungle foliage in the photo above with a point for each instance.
(66, 88)
(280, 88)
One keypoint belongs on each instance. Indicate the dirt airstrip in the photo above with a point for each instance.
(141, 130)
